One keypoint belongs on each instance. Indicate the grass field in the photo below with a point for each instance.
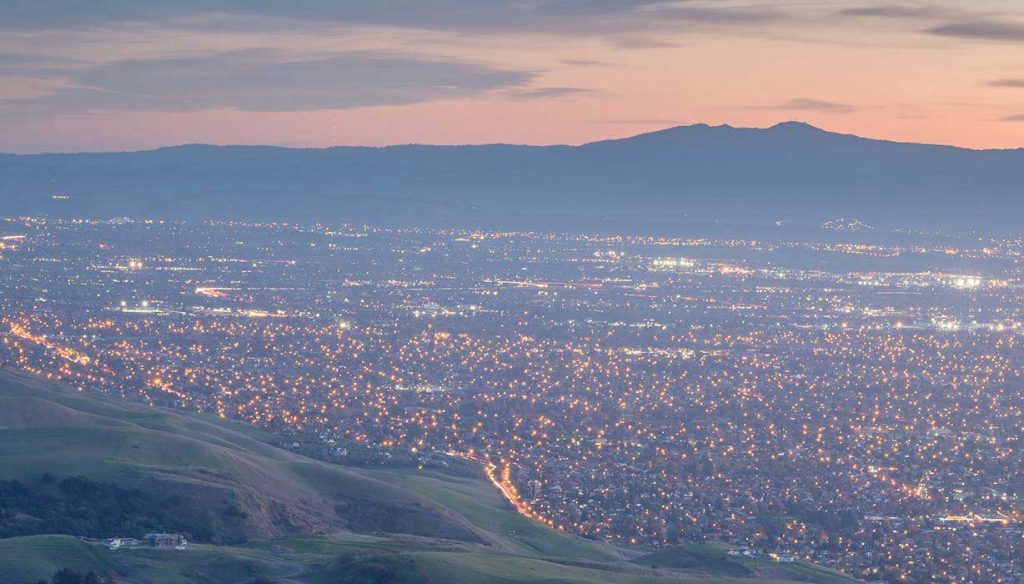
(394, 525)
(342, 558)
(45, 428)
(712, 559)
(28, 559)
(484, 507)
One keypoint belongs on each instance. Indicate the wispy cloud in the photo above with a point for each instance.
(1015, 118)
(643, 41)
(897, 11)
(271, 81)
(985, 29)
(807, 104)
(946, 20)
(565, 16)
(1017, 83)
(22, 64)
(583, 63)
(216, 68)
(546, 92)
(723, 14)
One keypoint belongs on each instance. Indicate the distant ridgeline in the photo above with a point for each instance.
(656, 182)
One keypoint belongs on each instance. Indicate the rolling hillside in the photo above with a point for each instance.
(217, 468)
(273, 514)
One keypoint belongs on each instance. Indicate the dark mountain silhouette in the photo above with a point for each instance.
(660, 180)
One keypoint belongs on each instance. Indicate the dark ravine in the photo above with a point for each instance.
(659, 181)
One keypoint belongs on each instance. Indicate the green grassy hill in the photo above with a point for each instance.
(218, 467)
(266, 512)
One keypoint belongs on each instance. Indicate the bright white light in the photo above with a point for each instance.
(966, 282)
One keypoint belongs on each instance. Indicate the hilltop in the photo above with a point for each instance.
(270, 513)
(660, 181)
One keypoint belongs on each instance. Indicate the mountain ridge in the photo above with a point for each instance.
(657, 181)
(789, 125)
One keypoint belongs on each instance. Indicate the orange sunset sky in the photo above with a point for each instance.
(113, 75)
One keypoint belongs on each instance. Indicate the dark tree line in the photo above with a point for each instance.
(83, 507)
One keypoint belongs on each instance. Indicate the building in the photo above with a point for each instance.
(165, 540)
(116, 543)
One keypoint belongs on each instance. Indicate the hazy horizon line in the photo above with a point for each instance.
(776, 125)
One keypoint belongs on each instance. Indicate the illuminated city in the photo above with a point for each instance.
(845, 396)
(511, 292)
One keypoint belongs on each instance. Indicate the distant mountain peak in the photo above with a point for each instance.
(702, 130)
(793, 125)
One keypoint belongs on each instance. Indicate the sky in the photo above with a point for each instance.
(99, 75)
